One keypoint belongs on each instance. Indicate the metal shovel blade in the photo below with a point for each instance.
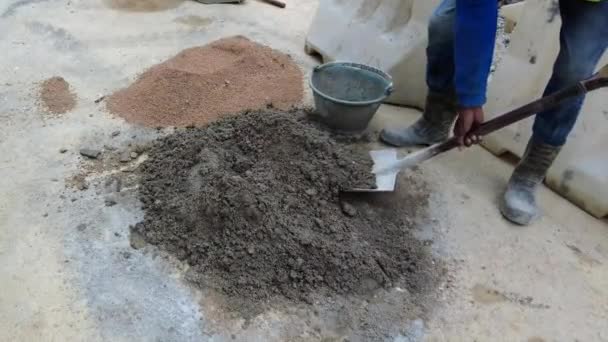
(385, 178)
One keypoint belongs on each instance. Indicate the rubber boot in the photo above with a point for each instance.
(518, 204)
(434, 126)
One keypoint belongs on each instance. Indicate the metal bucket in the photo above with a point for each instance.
(347, 95)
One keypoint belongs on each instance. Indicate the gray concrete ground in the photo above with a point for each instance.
(67, 270)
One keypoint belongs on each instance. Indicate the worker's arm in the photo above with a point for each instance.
(475, 34)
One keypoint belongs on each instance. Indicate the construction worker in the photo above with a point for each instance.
(459, 53)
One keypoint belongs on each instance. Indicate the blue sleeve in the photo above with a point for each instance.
(475, 34)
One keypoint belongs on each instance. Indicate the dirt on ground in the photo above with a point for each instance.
(253, 203)
(200, 84)
(55, 96)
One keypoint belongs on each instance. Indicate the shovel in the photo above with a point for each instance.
(387, 166)
(210, 2)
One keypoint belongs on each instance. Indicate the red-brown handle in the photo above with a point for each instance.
(547, 102)
(598, 80)
(276, 3)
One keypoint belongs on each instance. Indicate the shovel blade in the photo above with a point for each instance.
(385, 181)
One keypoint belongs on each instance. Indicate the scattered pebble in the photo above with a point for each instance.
(125, 157)
(141, 148)
(110, 202)
(115, 134)
(90, 153)
(63, 150)
(133, 155)
(348, 209)
(81, 227)
(136, 240)
(82, 185)
(311, 192)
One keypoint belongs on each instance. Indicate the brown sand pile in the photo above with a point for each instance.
(56, 97)
(252, 202)
(202, 83)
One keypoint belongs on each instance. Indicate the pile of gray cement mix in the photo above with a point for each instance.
(253, 204)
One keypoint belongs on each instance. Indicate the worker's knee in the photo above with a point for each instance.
(573, 71)
(441, 23)
(441, 26)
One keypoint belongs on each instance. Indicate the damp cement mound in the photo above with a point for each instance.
(203, 83)
(253, 204)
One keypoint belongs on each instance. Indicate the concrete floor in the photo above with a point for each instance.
(67, 270)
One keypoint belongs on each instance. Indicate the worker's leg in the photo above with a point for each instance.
(583, 39)
(440, 109)
(440, 49)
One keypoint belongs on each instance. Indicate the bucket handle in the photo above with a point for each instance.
(389, 89)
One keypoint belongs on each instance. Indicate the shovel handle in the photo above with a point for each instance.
(277, 3)
(598, 80)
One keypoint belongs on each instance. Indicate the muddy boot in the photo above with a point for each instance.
(434, 125)
(518, 204)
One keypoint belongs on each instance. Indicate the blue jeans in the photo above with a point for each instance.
(583, 41)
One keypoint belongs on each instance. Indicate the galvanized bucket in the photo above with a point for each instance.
(347, 95)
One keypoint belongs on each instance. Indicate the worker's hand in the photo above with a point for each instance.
(468, 120)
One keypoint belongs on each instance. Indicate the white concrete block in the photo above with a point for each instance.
(387, 34)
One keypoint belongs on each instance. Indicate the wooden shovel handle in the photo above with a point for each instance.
(277, 3)
(598, 80)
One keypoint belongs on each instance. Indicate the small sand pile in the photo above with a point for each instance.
(252, 203)
(203, 83)
(56, 97)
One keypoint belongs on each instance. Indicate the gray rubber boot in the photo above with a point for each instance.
(518, 204)
(434, 125)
